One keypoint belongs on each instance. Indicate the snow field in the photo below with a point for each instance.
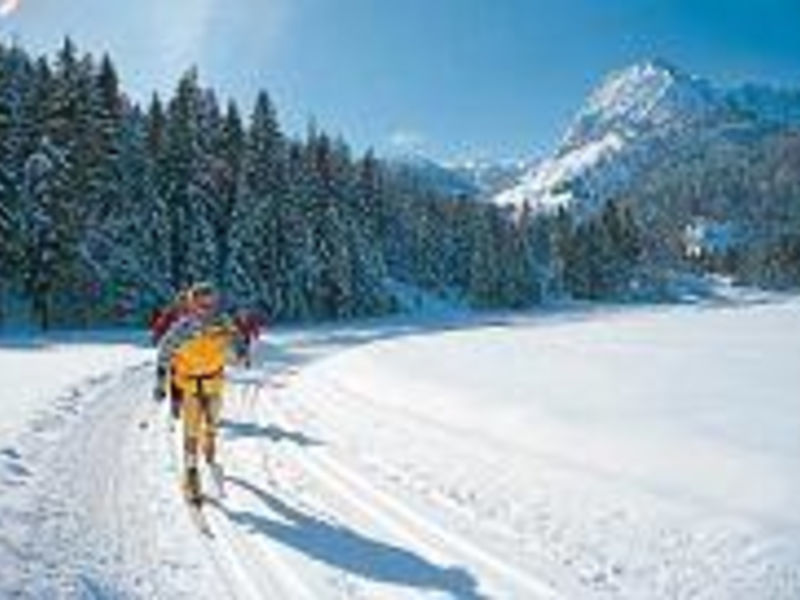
(644, 455)
(634, 454)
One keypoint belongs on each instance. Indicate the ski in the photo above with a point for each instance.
(199, 518)
(217, 478)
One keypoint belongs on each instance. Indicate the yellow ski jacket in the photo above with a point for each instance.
(196, 351)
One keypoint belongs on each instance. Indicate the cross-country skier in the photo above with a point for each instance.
(160, 323)
(193, 355)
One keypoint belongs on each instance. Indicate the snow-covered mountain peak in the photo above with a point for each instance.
(639, 116)
(645, 95)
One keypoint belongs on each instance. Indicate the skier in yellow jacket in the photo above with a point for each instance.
(193, 353)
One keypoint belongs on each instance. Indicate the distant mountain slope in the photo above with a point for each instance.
(640, 117)
(476, 179)
(492, 178)
(431, 175)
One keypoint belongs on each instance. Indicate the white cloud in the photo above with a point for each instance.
(407, 140)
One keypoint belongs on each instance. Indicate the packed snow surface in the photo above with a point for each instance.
(37, 368)
(643, 453)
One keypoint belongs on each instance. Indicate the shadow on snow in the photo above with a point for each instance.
(273, 433)
(343, 548)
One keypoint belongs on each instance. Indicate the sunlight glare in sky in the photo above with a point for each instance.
(8, 6)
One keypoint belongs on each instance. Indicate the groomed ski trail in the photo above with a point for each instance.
(345, 490)
(310, 480)
(404, 522)
(271, 463)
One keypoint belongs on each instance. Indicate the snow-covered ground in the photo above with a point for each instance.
(607, 454)
(37, 368)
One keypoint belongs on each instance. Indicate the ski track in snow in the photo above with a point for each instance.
(331, 493)
(108, 519)
(339, 511)
(103, 501)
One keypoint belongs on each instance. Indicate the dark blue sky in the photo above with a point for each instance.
(453, 78)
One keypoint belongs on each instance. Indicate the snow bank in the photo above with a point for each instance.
(34, 369)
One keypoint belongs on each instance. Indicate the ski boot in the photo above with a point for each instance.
(175, 407)
(191, 487)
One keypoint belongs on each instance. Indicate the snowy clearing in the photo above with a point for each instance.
(615, 454)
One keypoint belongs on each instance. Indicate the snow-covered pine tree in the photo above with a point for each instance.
(483, 290)
(204, 215)
(522, 279)
(189, 230)
(356, 202)
(543, 247)
(396, 230)
(299, 267)
(96, 178)
(365, 208)
(368, 197)
(156, 191)
(15, 80)
(459, 228)
(228, 174)
(60, 116)
(159, 199)
(331, 295)
(46, 231)
(131, 246)
(257, 256)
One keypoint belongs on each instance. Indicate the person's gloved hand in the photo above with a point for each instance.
(159, 394)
